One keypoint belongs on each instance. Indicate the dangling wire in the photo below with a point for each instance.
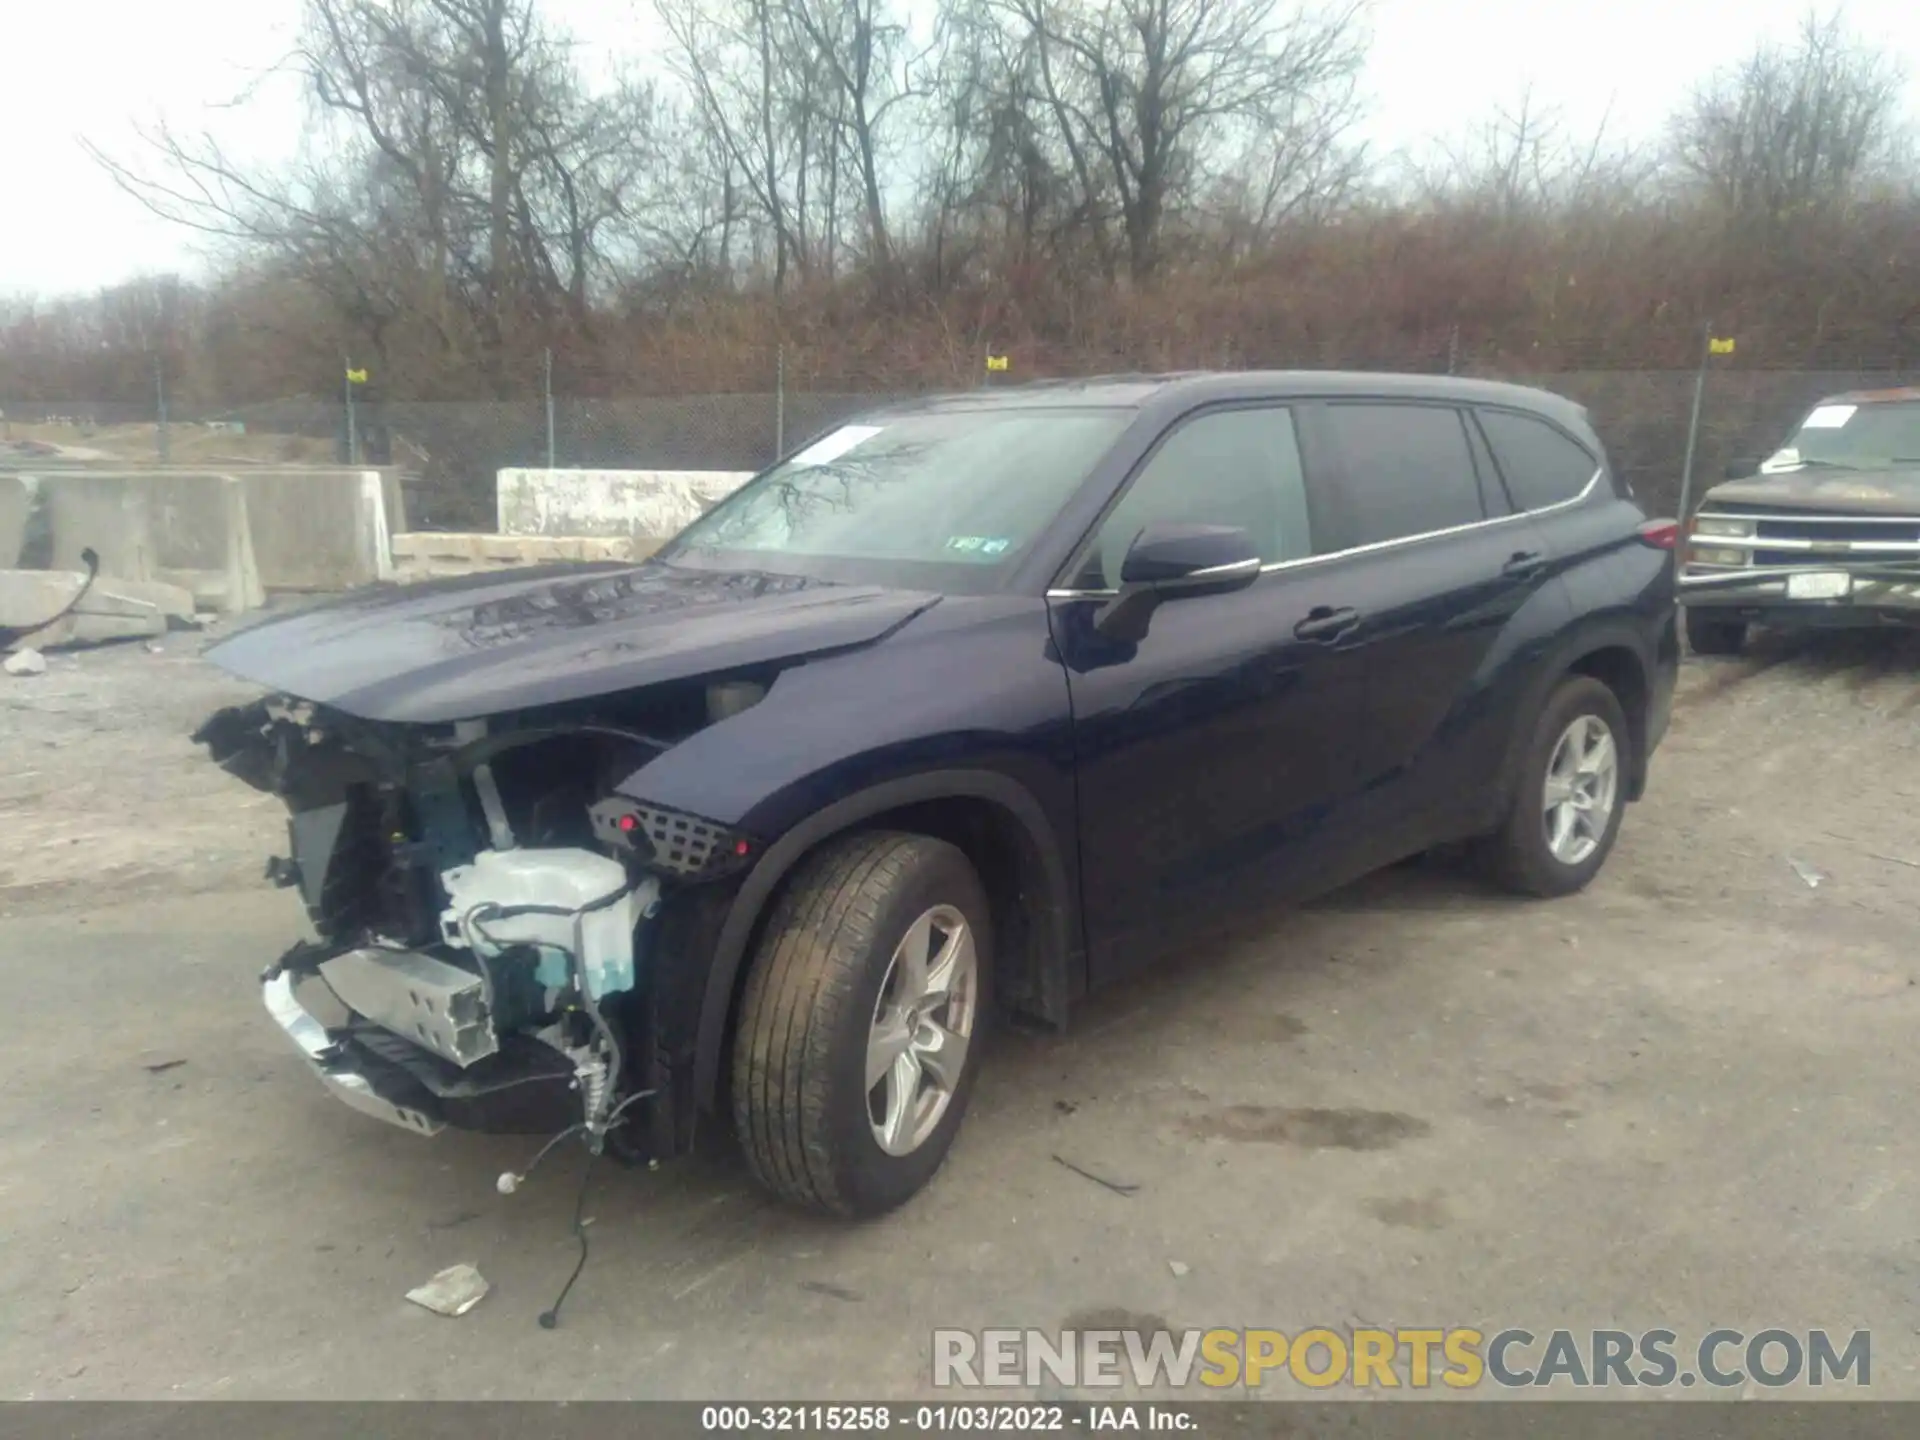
(550, 1318)
(511, 1181)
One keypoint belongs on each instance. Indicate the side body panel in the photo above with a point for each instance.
(1450, 645)
(1451, 624)
(968, 701)
(1214, 761)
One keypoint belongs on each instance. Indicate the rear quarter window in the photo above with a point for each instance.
(1406, 469)
(1541, 465)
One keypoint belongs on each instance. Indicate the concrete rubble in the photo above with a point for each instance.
(113, 609)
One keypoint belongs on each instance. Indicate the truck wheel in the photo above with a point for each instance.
(1708, 634)
(1570, 797)
(856, 1046)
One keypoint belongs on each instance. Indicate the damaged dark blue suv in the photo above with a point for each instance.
(963, 708)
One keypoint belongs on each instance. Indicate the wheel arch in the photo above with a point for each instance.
(1615, 655)
(1621, 670)
(991, 817)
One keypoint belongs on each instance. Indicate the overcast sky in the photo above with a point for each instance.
(91, 68)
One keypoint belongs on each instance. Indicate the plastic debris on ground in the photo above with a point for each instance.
(1806, 872)
(26, 662)
(454, 1291)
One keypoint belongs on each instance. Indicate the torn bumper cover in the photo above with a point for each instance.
(505, 943)
(523, 1087)
(387, 1097)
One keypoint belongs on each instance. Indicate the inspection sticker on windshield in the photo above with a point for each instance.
(830, 448)
(986, 546)
(1829, 417)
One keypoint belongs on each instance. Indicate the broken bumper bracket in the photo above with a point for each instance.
(336, 1069)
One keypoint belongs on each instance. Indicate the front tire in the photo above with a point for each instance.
(1709, 634)
(856, 1047)
(1571, 794)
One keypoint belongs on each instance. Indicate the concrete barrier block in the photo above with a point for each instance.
(188, 528)
(224, 578)
(657, 503)
(321, 528)
(508, 548)
(106, 513)
(429, 555)
(16, 504)
(453, 547)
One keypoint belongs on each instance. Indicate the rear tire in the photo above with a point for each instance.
(1710, 634)
(1551, 849)
(831, 998)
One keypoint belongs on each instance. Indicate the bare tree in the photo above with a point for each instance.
(994, 186)
(1522, 162)
(1152, 99)
(460, 183)
(857, 46)
(1794, 128)
(737, 59)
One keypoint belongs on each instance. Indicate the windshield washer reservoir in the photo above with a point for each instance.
(561, 902)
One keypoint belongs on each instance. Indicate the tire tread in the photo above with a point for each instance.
(1514, 857)
(811, 961)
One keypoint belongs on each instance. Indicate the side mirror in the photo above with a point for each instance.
(1741, 469)
(1171, 562)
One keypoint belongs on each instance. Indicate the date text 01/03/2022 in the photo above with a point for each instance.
(936, 1419)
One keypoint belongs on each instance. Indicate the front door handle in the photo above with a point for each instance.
(1524, 565)
(1323, 622)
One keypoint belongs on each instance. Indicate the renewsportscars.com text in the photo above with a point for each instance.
(1377, 1359)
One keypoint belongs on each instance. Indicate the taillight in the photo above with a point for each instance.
(1660, 534)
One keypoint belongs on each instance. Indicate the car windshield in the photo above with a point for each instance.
(1859, 437)
(929, 498)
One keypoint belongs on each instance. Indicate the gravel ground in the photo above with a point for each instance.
(1680, 1099)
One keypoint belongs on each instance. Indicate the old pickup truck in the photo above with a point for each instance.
(1824, 532)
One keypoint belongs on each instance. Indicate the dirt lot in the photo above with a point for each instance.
(187, 444)
(1682, 1099)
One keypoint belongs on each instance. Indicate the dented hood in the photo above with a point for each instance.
(489, 644)
(1828, 488)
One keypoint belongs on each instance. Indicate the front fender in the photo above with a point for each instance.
(777, 861)
(966, 701)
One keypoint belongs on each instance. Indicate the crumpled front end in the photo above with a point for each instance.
(503, 942)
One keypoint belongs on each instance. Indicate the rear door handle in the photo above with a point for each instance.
(1524, 564)
(1323, 622)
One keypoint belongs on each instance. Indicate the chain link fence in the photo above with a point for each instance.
(450, 452)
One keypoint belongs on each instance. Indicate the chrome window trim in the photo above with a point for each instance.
(1378, 545)
(1222, 572)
